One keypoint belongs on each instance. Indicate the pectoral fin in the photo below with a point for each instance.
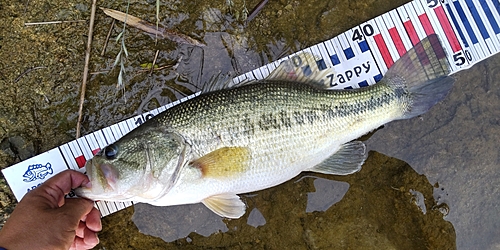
(226, 205)
(223, 162)
(347, 160)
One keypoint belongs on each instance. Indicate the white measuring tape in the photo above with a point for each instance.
(468, 29)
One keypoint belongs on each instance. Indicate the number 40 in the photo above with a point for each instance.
(366, 30)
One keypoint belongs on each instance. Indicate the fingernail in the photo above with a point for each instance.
(88, 185)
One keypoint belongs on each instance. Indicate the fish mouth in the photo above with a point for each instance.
(85, 192)
(88, 193)
(98, 183)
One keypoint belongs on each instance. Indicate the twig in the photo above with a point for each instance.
(86, 68)
(159, 68)
(256, 10)
(53, 22)
(154, 61)
(107, 38)
(26, 7)
(99, 72)
(150, 28)
(27, 71)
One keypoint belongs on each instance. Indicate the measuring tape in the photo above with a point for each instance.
(468, 29)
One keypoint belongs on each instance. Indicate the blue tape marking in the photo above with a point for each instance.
(348, 53)
(497, 6)
(363, 46)
(490, 17)
(321, 64)
(477, 18)
(335, 59)
(455, 22)
(307, 70)
(466, 23)
(377, 77)
(363, 84)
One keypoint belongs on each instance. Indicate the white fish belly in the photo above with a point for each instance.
(276, 156)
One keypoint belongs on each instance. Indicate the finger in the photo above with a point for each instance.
(67, 180)
(80, 229)
(93, 220)
(54, 189)
(79, 244)
(75, 209)
(90, 238)
(73, 245)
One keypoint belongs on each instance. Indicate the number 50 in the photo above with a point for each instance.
(460, 58)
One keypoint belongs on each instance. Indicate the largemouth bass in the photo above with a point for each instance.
(263, 133)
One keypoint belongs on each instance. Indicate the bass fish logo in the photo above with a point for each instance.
(37, 172)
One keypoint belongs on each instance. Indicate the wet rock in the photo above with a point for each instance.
(17, 147)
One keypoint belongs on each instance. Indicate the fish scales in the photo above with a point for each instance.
(260, 134)
(293, 119)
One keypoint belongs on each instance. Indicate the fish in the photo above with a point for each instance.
(261, 133)
(37, 172)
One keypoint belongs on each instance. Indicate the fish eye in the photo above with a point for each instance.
(111, 151)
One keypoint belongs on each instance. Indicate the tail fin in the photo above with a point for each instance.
(422, 75)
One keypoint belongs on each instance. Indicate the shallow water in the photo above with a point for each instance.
(443, 197)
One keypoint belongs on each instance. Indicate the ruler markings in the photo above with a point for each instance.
(471, 29)
(84, 148)
(414, 17)
(493, 16)
(399, 25)
(442, 29)
(445, 27)
(391, 38)
(92, 142)
(470, 53)
(468, 29)
(320, 62)
(408, 25)
(77, 154)
(486, 42)
(376, 53)
(346, 47)
(108, 135)
(333, 58)
(271, 67)
(484, 14)
(131, 123)
(338, 48)
(420, 9)
(249, 76)
(396, 32)
(68, 156)
(103, 207)
(258, 75)
(384, 51)
(264, 71)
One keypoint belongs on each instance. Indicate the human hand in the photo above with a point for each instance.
(45, 219)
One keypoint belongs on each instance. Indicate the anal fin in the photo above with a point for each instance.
(347, 160)
(226, 205)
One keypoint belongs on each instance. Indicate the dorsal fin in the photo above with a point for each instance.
(218, 81)
(303, 67)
